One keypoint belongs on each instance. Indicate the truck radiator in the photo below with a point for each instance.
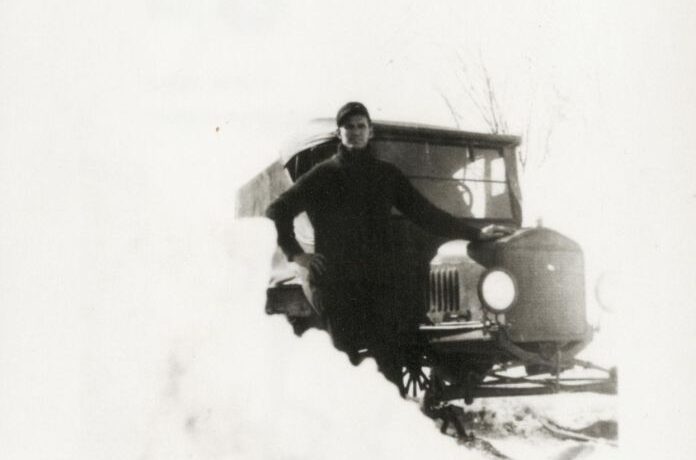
(444, 289)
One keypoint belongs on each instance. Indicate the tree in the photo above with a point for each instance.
(524, 115)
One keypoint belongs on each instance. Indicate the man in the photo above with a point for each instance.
(348, 199)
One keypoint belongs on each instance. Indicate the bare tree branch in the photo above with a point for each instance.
(499, 122)
(455, 115)
(476, 99)
(524, 151)
(481, 95)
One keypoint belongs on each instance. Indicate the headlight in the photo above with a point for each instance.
(497, 290)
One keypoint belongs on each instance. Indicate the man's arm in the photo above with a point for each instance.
(409, 201)
(283, 211)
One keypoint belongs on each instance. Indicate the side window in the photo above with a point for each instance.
(482, 183)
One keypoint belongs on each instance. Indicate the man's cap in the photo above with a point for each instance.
(351, 108)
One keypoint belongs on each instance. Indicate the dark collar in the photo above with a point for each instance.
(355, 156)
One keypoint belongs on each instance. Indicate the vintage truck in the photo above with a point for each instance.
(496, 318)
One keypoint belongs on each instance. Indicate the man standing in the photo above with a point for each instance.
(348, 199)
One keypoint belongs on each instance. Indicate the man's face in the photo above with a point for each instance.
(355, 132)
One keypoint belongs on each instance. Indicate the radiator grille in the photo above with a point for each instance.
(444, 290)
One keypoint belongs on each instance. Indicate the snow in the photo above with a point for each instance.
(514, 425)
(221, 379)
(131, 302)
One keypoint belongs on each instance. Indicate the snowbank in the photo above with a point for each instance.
(221, 379)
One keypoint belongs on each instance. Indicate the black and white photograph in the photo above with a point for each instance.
(282, 230)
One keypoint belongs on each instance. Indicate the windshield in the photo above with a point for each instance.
(464, 181)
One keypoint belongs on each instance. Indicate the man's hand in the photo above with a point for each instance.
(493, 231)
(314, 263)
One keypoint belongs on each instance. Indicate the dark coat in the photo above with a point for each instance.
(348, 199)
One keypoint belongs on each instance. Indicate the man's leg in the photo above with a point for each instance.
(344, 317)
(384, 339)
(394, 335)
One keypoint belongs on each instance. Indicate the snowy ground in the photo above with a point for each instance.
(236, 383)
(131, 305)
(515, 426)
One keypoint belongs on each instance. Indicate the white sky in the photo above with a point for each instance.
(116, 189)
